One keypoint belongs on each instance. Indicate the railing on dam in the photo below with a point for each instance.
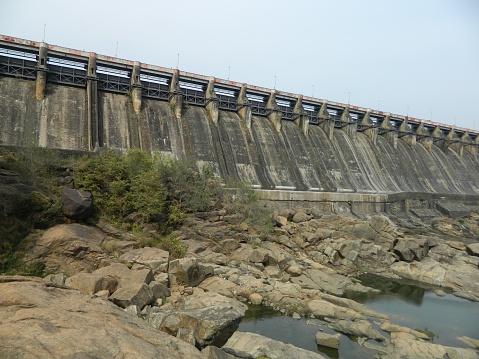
(31, 60)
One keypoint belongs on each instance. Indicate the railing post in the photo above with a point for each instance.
(94, 138)
(176, 98)
(135, 84)
(212, 105)
(325, 120)
(300, 120)
(244, 108)
(41, 71)
(275, 114)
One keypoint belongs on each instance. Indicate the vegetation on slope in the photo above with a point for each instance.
(147, 195)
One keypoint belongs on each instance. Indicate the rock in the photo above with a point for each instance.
(188, 271)
(211, 299)
(460, 246)
(358, 328)
(90, 283)
(134, 310)
(328, 340)
(287, 213)
(139, 294)
(258, 255)
(69, 248)
(255, 298)
(250, 345)
(473, 249)
(229, 245)
(323, 233)
(186, 335)
(159, 290)
(58, 279)
(351, 304)
(321, 308)
(410, 348)
(210, 325)
(212, 352)
(296, 316)
(154, 258)
(294, 271)
(126, 276)
(473, 343)
(281, 221)
(76, 204)
(219, 285)
(404, 249)
(37, 321)
(300, 217)
(440, 293)
(393, 328)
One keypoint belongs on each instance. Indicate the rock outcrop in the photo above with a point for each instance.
(41, 321)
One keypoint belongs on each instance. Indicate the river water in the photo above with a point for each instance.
(407, 304)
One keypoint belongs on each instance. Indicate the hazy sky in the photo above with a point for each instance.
(420, 56)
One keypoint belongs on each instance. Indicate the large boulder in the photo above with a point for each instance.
(90, 283)
(37, 321)
(250, 345)
(328, 340)
(357, 328)
(259, 255)
(210, 325)
(154, 258)
(76, 204)
(70, 248)
(139, 294)
(321, 308)
(188, 271)
(473, 249)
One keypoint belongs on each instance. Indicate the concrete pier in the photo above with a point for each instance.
(41, 71)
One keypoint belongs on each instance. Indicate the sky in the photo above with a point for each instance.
(409, 57)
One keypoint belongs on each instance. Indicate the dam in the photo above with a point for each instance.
(296, 150)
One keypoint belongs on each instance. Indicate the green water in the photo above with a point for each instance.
(406, 304)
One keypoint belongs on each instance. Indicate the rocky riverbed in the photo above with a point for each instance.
(109, 298)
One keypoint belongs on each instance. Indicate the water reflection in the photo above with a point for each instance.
(407, 292)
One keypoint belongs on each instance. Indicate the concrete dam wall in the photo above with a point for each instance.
(282, 143)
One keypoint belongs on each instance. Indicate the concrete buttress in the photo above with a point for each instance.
(300, 119)
(176, 98)
(368, 127)
(41, 71)
(135, 84)
(95, 139)
(274, 115)
(325, 121)
(244, 108)
(387, 130)
(424, 137)
(212, 105)
(348, 125)
(406, 134)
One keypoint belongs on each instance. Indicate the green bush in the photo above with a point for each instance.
(152, 189)
(241, 199)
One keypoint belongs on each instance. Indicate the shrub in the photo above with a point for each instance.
(241, 199)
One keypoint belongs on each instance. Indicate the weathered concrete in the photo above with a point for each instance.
(267, 151)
